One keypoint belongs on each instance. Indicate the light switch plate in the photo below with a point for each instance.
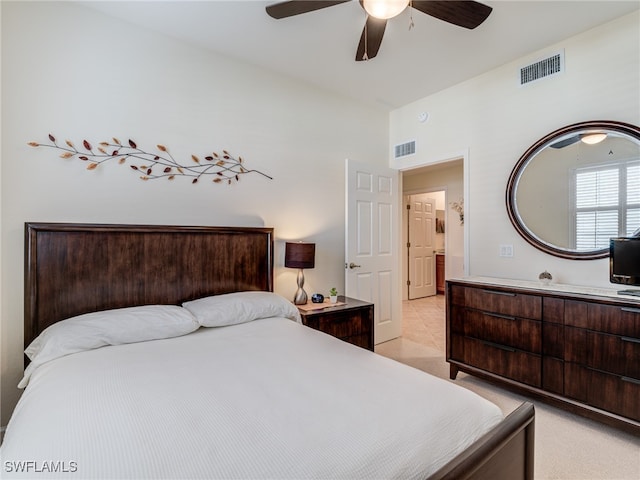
(506, 250)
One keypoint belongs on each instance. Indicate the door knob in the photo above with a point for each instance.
(353, 265)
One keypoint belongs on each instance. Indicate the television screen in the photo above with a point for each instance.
(624, 261)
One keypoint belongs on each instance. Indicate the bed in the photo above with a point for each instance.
(175, 359)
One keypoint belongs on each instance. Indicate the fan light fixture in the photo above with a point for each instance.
(384, 9)
(593, 138)
(462, 13)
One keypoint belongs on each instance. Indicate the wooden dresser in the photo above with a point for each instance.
(577, 348)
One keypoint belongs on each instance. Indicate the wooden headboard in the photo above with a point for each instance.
(72, 269)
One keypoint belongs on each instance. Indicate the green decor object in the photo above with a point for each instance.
(333, 295)
(222, 167)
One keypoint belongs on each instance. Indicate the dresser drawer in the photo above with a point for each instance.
(617, 320)
(553, 310)
(505, 361)
(613, 393)
(520, 333)
(610, 353)
(495, 301)
(553, 375)
(553, 340)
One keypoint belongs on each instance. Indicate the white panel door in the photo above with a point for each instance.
(371, 251)
(422, 232)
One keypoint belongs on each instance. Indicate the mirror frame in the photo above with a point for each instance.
(512, 210)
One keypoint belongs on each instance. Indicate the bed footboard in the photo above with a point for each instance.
(504, 453)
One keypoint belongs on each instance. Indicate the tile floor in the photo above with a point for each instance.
(423, 321)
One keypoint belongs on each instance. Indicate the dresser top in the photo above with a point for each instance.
(553, 287)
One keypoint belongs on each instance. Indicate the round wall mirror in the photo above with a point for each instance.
(576, 188)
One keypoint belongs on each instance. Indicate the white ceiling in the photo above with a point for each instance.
(319, 47)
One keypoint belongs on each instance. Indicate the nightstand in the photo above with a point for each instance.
(351, 320)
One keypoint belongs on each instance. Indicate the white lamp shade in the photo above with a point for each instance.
(384, 9)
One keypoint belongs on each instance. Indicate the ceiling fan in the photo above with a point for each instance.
(467, 14)
(590, 138)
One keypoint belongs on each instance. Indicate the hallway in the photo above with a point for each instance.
(423, 321)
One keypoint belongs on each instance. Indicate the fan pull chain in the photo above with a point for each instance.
(411, 14)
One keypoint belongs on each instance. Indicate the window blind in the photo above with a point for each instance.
(633, 198)
(607, 203)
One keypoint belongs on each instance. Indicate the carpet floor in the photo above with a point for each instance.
(568, 447)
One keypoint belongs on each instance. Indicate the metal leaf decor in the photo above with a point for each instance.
(222, 167)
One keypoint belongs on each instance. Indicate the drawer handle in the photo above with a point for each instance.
(623, 378)
(497, 315)
(630, 310)
(501, 347)
(507, 294)
(630, 339)
(630, 380)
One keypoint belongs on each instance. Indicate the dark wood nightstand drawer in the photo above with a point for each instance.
(363, 341)
(343, 324)
(351, 322)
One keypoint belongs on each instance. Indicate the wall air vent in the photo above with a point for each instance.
(405, 149)
(545, 68)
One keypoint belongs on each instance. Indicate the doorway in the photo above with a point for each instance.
(449, 179)
(426, 244)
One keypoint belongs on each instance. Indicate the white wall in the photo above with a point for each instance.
(497, 120)
(72, 72)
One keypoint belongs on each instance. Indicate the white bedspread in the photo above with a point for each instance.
(265, 399)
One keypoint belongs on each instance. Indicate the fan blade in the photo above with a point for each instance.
(371, 38)
(296, 7)
(467, 14)
(566, 142)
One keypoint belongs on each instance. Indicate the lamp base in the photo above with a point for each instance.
(300, 298)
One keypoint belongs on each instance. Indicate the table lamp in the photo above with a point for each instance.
(300, 255)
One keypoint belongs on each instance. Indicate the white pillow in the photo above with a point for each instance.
(241, 307)
(108, 327)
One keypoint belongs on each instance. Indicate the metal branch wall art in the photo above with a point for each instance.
(459, 207)
(222, 167)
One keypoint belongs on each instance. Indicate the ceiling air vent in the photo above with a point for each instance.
(405, 149)
(545, 68)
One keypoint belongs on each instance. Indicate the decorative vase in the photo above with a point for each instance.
(545, 278)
